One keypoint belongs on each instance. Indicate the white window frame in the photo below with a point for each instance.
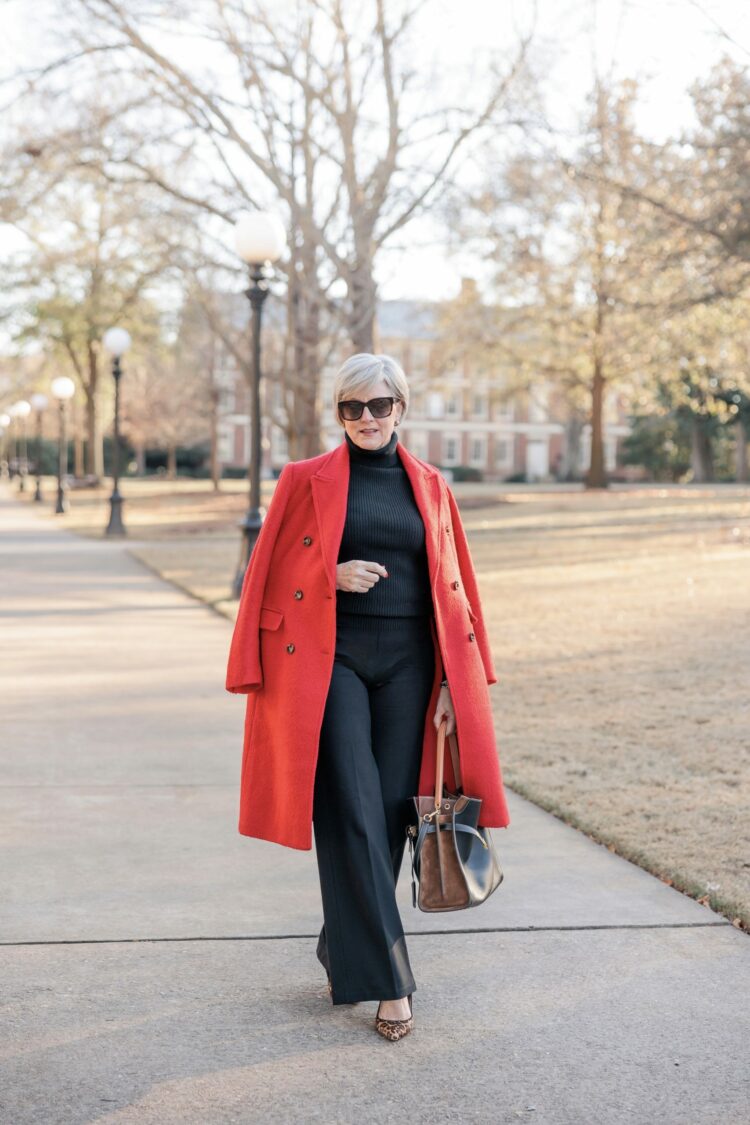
(481, 397)
(453, 404)
(445, 459)
(225, 443)
(279, 445)
(435, 404)
(507, 461)
(481, 460)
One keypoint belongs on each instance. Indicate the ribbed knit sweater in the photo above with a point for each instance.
(384, 525)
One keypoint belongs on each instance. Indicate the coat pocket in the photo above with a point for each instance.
(472, 614)
(270, 618)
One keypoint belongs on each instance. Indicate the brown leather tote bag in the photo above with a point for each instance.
(453, 859)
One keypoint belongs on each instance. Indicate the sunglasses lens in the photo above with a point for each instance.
(351, 411)
(380, 407)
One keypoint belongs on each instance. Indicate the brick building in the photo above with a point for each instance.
(457, 417)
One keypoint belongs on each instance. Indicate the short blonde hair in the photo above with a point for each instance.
(362, 371)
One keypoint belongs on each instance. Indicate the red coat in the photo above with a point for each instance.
(284, 641)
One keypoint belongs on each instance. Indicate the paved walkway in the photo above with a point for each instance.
(159, 967)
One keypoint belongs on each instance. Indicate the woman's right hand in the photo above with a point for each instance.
(358, 576)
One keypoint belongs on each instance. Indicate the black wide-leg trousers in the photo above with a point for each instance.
(367, 773)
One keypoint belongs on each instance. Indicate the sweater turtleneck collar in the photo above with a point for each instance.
(385, 457)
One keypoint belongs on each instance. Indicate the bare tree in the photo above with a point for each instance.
(91, 256)
(316, 111)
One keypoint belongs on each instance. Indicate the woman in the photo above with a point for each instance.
(359, 629)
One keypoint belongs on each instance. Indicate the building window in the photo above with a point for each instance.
(452, 404)
(225, 444)
(451, 449)
(477, 450)
(279, 445)
(503, 453)
(435, 405)
(227, 400)
(504, 411)
(479, 405)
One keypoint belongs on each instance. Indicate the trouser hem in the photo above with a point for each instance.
(370, 994)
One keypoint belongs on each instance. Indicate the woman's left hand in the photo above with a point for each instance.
(445, 707)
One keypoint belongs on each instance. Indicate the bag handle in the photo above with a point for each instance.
(439, 771)
(440, 761)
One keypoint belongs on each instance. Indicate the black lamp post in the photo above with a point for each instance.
(39, 404)
(62, 389)
(117, 342)
(259, 239)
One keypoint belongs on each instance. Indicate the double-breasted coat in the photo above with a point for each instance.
(284, 640)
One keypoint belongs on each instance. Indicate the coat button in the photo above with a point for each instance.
(298, 594)
(307, 540)
(448, 528)
(290, 648)
(455, 585)
(471, 637)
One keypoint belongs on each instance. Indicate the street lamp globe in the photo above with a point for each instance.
(63, 388)
(4, 420)
(21, 409)
(116, 341)
(259, 236)
(39, 402)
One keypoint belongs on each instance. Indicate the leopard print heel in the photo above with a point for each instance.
(394, 1029)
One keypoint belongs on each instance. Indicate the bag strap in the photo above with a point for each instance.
(440, 761)
(439, 772)
(453, 744)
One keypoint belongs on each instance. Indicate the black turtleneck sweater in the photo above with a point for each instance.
(384, 525)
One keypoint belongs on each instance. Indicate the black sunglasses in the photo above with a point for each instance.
(351, 410)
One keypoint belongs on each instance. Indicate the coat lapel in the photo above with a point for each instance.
(330, 489)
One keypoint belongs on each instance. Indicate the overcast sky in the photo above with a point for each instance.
(666, 44)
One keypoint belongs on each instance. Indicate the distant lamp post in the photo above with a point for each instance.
(21, 411)
(5, 422)
(117, 342)
(62, 389)
(39, 404)
(259, 239)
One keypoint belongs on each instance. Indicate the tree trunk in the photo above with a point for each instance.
(701, 454)
(94, 444)
(214, 438)
(91, 434)
(363, 297)
(308, 407)
(303, 326)
(78, 463)
(596, 476)
(172, 461)
(740, 451)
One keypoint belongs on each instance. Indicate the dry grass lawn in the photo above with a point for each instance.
(621, 632)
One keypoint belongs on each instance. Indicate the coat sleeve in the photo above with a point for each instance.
(244, 672)
(469, 580)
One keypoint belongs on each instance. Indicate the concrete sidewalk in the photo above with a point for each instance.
(158, 967)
